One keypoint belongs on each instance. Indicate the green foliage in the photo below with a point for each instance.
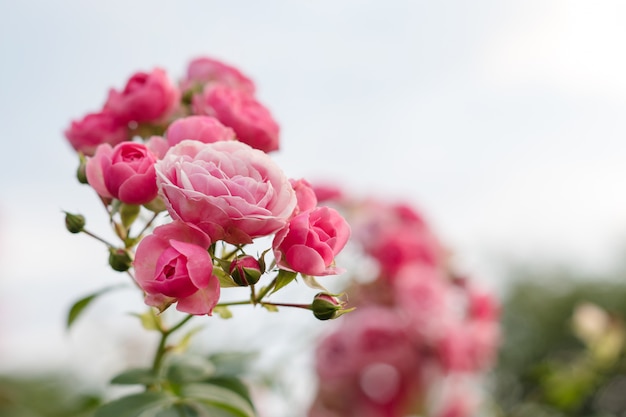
(545, 368)
(283, 278)
(79, 306)
(45, 396)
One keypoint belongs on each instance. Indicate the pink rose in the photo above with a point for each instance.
(125, 172)
(146, 98)
(173, 265)
(251, 121)
(96, 129)
(227, 189)
(205, 70)
(310, 242)
(202, 128)
(328, 192)
(304, 194)
(369, 363)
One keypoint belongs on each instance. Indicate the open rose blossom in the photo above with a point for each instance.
(125, 172)
(203, 128)
(307, 200)
(146, 98)
(227, 189)
(173, 265)
(206, 70)
(96, 129)
(252, 122)
(310, 242)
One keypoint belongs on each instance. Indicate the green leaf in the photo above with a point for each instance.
(232, 383)
(149, 320)
(183, 345)
(232, 363)
(220, 398)
(143, 376)
(226, 281)
(178, 410)
(270, 307)
(283, 278)
(146, 404)
(189, 368)
(79, 306)
(311, 282)
(223, 311)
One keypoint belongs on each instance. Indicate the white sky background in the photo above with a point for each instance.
(503, 121)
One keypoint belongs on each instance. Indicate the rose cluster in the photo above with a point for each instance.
(421, 337)
(194, 154)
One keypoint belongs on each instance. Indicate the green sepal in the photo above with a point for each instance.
(283, 278)
(311, 282)
(129, 213)
(270, 307)
(148, 403)
(79, 306)
(262, 263)
(138, 376)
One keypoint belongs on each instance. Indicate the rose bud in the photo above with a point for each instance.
(119, 259)
(326, 306)
(245, 270)
(74, 222)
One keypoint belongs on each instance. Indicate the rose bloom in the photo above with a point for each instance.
(252, 122)
(307, 200)
(368, 366)
(173, 265)
(146, 98)
(202, 128)
(227, 189)
(96, 129)
(310, 242)
(125, 172)
(205, 70)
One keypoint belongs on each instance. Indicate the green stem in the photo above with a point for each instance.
(161, 348)
(234, 303)
(230, 254)
(147, 225)
(264, 291)
(304, 306)
(88, 233)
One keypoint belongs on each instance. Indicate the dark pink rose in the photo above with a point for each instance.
(328, 192)
(172, 265)
(307, 199)
(227, 189)
(236, 108)
(125, 172)
(205, 129)
(96, 129)
(206, 70)
(310, 242)
(468, 347)
(146, 98)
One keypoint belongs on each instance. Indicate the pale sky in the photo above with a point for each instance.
(503, 121)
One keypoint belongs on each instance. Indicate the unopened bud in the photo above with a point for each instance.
(326, 306)
(245, 270)
(119, 259)
(74, 222)
(81, 171)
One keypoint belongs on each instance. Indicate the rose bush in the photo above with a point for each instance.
(227, 189)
